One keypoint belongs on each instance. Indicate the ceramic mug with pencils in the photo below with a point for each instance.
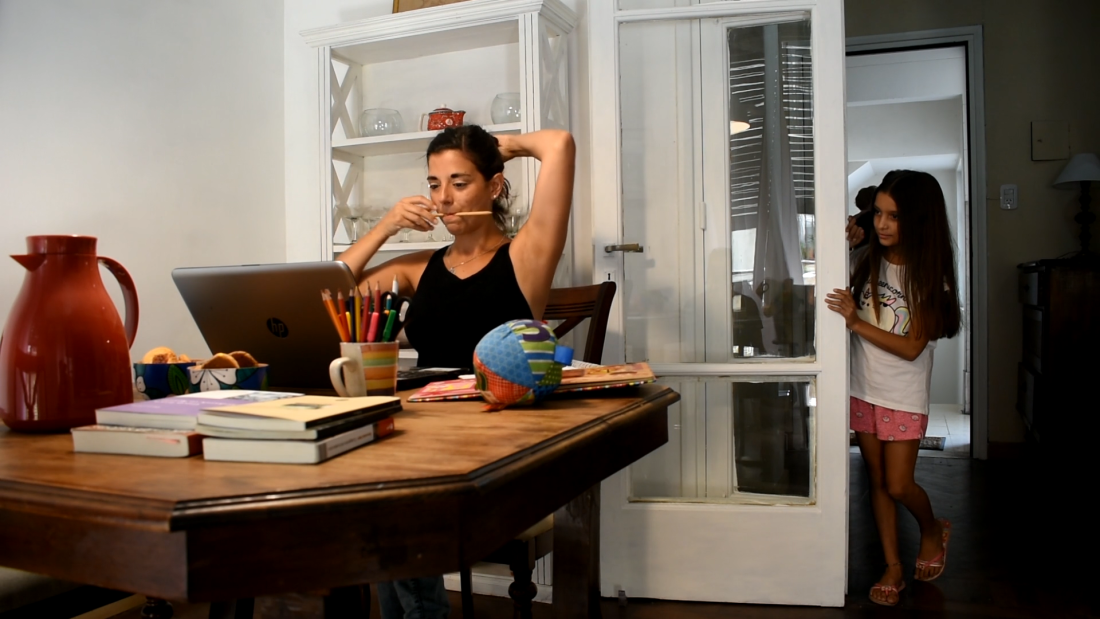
(365, 368)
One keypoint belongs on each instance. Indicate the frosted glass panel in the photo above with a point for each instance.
(728, 438)
(771, 190)
(657, 192)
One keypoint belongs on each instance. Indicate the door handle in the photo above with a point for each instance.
(633, 247)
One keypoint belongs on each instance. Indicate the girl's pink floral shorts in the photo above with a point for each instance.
(886, 423)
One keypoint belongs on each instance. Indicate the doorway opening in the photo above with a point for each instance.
(907, 110)
(911, 104)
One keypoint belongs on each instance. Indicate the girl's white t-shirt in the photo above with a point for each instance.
(880, 377)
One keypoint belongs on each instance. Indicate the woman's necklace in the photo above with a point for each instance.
(452, 269)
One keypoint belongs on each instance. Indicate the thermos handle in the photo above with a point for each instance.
(129, 295)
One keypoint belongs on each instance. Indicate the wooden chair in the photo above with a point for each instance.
(571, 306)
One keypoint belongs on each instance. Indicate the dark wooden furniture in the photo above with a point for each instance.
(571, 306)
(1061, 352)
(452, 483)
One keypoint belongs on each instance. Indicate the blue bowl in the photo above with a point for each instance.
(153, 381)
(228, 378)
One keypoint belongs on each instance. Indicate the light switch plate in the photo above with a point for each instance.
(1010, 197)
(1049, 140)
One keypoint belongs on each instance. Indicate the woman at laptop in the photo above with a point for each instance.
(483, 279)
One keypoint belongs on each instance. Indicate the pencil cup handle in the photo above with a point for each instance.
(338, 375)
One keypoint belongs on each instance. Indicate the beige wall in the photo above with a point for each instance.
(1042, 62)
(156, 127)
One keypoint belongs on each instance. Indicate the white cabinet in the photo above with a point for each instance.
(459, 56)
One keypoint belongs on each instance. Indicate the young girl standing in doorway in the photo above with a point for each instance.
(905, 299)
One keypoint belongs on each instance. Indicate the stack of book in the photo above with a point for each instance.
(240, 425)
(300, 430)
(163, 427)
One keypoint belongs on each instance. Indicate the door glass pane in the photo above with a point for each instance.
(732, 440)
(772, 437)
(657, 97)
(771, 190)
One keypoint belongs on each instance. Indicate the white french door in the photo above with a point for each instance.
(726, 121)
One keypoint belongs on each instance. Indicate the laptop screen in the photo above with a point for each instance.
(273, 311)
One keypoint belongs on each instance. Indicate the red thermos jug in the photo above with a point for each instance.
(64, 351)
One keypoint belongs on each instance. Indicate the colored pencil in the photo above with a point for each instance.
(342, 310)
(357, 316)
(387, 333)
(364, 322)
(330, 306)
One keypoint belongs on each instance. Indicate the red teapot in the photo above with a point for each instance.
(64, 351)
(441, 118)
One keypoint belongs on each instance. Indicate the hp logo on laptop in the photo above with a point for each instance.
(277, 327)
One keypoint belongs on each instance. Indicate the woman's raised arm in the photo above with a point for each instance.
(413, 213)
(538, 245)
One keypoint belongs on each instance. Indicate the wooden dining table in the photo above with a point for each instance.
(448, 487)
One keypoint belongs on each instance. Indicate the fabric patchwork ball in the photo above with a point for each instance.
(515, 364)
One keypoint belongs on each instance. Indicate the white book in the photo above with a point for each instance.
(293, 452)
(136, 441)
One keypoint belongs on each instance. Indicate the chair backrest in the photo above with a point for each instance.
(573, 305)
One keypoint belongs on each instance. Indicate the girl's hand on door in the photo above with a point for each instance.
(841, 302)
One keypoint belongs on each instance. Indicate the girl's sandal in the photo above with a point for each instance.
(885, 591)
(938, 561)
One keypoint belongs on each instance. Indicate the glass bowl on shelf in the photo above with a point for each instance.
(380, 121)
(505, 108)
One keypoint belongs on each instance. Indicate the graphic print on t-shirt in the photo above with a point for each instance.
(893, 311)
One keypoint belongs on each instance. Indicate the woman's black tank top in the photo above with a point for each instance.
(449, 315)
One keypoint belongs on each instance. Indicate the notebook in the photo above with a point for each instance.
(273, 311)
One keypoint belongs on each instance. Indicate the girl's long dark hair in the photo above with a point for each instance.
(927, 252)
(481, 148)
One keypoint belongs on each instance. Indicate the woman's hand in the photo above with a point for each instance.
(508, 148)
(853, 232)
(413, 213)
(841, 302)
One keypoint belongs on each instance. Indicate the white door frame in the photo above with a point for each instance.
(978, 326)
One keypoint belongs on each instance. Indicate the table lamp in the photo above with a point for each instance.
(1081, 170)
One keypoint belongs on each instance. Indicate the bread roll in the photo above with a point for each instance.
(220, 360)
(243, 359)
(160, 354)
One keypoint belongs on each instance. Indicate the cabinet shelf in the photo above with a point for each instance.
(413, 142)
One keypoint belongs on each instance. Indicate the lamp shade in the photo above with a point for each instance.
(1083, 167)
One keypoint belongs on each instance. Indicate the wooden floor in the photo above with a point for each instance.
(1021, 548)
(1016, 551)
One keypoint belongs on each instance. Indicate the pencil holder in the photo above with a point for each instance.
(365, 368)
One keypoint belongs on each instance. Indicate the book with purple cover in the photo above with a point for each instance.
(179, 412)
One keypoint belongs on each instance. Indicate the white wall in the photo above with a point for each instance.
(155, 125)
(303, 114)
(920, 75)
(905, 129)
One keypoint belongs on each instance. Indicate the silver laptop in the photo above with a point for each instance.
(273, 311)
